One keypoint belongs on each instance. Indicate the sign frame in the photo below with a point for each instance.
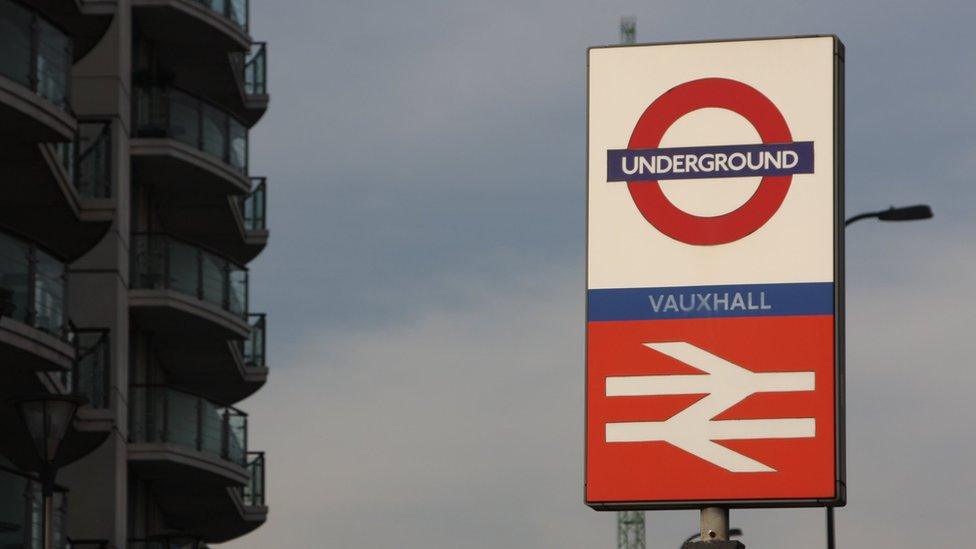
(840, 470)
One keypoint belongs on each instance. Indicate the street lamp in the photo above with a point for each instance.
(904, 213)
(47, 418)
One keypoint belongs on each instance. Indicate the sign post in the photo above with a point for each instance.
(715, 276)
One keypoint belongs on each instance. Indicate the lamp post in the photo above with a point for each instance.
(733, 533)
(47, 418)
(904, 213)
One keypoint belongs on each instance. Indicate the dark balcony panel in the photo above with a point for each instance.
(228, 371)
(235, 226)
(80, 19)
(220, 25)
(22, 512)
(187, 146)
(56, 194)
(35, 68)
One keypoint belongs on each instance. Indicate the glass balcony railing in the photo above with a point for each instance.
(22, 512)
(34, 53)
(254, 207)
(256, 69)
(167, 415)
(160, 262)
(237, 11)
(174, 114)
(89, 378)
(33, 286)
(87, 159)
(253, 493)
(255, 347)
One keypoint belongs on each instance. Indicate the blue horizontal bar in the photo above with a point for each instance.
(710, 162)
(806, 298)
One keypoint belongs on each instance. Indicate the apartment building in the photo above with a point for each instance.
(128, 215)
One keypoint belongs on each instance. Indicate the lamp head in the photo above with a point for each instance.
(47, 418)
(907, 213)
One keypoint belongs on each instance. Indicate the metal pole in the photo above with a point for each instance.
(48, 534)
(830, 528)
(715, 524)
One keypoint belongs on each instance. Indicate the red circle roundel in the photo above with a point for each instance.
(719, 93)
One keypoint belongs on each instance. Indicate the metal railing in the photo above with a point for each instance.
(161, 262)
(253, 493)
(33, 286)
(237, 11)
(175, 114)
(34, 53)
(89, 378)
(255, 347)
(159, 413)
(22, 512)
(87, 159)
(254, 207)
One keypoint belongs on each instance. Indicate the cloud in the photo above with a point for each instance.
(424, 276)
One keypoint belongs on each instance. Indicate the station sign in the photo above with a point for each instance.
(714, 323)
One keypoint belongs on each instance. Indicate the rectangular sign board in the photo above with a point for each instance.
(714, 329)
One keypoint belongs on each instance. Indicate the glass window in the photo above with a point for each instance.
(49, 294)
(184, 118)
(238, 291)
(182, 418)
(53, 63)
(214, 279)
(183, 267)
(14, 282)
(238, 145)
(212, 433)
(15, 42)
(214, 131)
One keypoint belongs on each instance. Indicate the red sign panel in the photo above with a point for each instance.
(711, 409)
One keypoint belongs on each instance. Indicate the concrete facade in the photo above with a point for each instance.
(136, 183)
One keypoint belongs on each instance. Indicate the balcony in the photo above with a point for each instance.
(234, 225)
(22, 512)
(33, 328)
(187, 146)
(35, 69)
(253, 69)
(208, 24)
(186, 294)
(192, 449)
(55, 194)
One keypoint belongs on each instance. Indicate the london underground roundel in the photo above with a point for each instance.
(714, 300)
(666, 110)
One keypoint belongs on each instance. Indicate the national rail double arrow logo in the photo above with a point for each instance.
(693, 429)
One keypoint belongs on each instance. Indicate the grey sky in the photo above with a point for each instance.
(425, 278)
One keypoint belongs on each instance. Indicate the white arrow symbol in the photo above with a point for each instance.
(693, 429)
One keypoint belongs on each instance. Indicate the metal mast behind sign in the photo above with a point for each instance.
(630, 524)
